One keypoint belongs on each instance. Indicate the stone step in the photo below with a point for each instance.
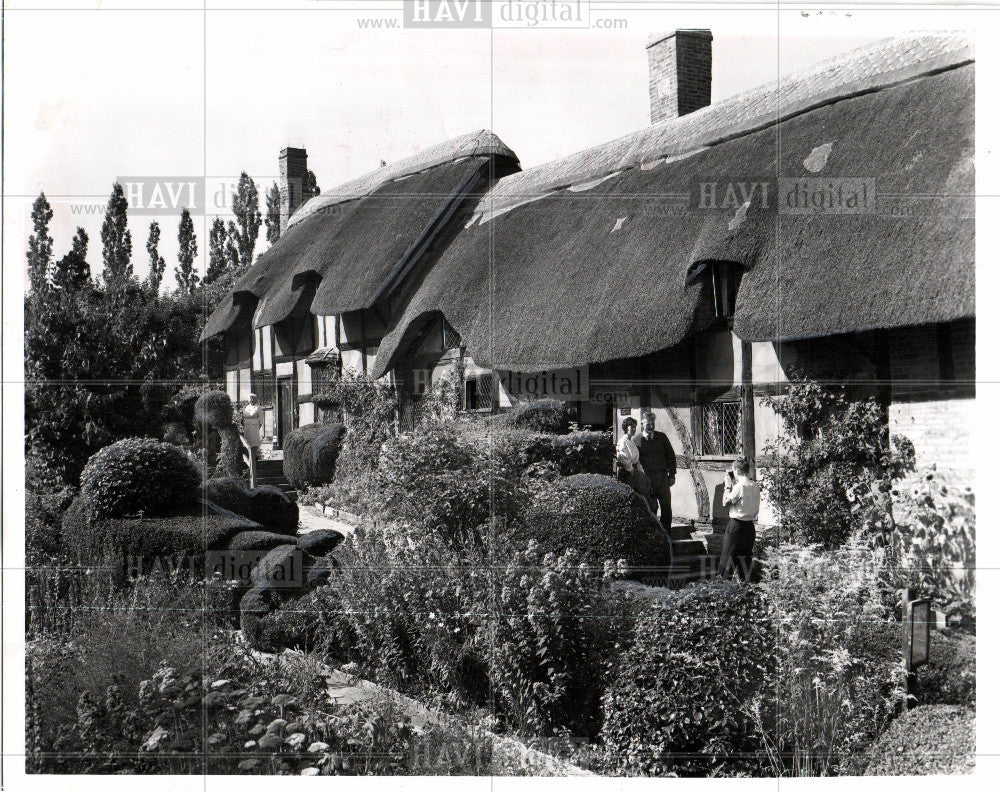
(687, 547)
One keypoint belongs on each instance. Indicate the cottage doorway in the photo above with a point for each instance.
(286, 407)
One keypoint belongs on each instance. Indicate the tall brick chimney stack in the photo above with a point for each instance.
(680, 73)
(292, 170)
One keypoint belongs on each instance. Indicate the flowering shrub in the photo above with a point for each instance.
(139, 475)
(431, 480)
(839, 653)
(552, 643)
(933, 547)
(833, 452)
(368, 411)
(246, 719)
(406, 607)
(573, 453)
(687, 690)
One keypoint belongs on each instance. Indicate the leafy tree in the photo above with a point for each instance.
(310, 188)
(217, 264)
(272, 218)
(72, 272)
(39, 245)
(835, 463)
(187, 278)
(243, 233)
(101, 364)
(156, 263)
(117, 240)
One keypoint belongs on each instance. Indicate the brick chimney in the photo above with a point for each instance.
(680, 73)
(292, 169)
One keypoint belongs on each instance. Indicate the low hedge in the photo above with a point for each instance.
(950, 674)
(929, 740)
(680, 702)
(266, 505)
(599, 517)
(545, 415)
(139, 474)
(192, 532)
(573, 453)
(310, 454)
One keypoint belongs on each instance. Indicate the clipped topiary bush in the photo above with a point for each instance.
(700, 664)
(214, 408)
(929, 740)
(325, 450)
(139, 475)
(295, 624)
(599, 517)
(152, 539)
(545, 415)
(266, 505)
(257, 540)
(215, 411)
(310, 454)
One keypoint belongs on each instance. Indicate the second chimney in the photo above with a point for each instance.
(292, 172)
(680, 73)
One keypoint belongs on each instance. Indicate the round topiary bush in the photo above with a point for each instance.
(596, 515)
(139, 475)
(700, 662)
(929, 740)
(546, 415)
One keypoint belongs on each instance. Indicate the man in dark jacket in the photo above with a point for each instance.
(657, 458)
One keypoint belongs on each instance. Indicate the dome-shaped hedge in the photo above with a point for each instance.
(598, 516)
(139, 475)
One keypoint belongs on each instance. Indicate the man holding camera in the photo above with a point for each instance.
(742, 496)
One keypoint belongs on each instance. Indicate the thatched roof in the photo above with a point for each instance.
(346, 247)
(595, 270)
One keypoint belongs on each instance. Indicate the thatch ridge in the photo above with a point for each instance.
(555, 282)
(473, 144)
(869, 68)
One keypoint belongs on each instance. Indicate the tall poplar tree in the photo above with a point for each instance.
(187, 278)
(39, 245)
(157, 265)
(117, 240)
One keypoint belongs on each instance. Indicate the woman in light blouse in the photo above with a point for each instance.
(628, 454)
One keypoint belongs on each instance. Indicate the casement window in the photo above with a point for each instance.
(479, 392)
(719, 433)
(262, 385)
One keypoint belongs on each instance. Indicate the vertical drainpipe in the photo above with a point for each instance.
(748, 427)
